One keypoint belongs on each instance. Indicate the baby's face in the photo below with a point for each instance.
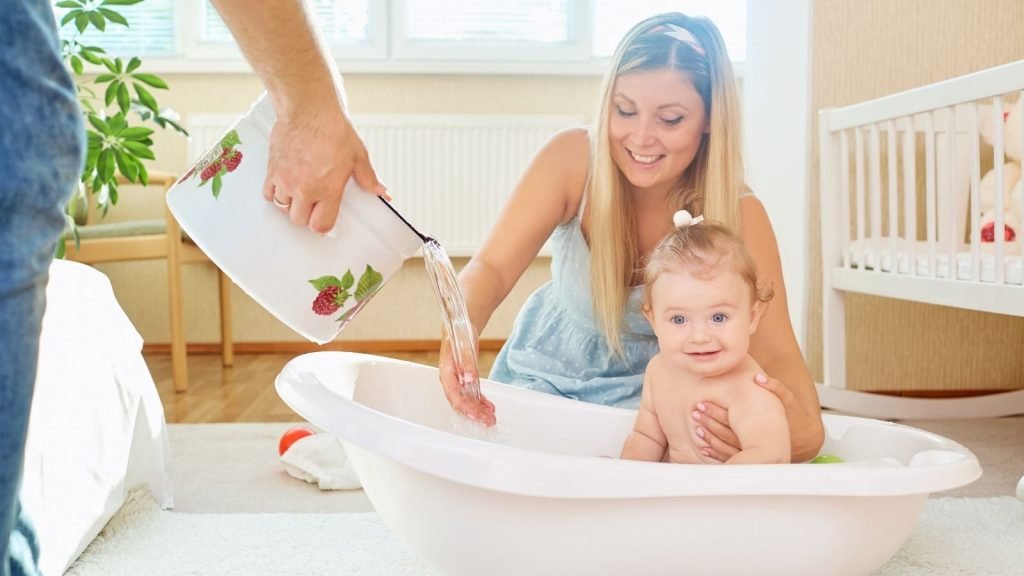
(703, 324)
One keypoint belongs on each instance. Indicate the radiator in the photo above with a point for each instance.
(449, 174)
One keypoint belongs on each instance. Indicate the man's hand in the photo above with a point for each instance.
(312, 157)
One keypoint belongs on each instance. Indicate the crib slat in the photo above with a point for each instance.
(858, 167)
(998, 158)
(910, 189)
(844, 205)
(949, 203)
(929, 174)
(1020, 199)
(875, 211)
(975, 194)
(894, 232)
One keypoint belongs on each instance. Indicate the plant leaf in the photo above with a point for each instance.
(230, 140)
(105, 166)
(81, 21)
(104, 78)
(324, 281)
(69, 4)
(113, 16)
(69, 17)
(151, 79)
(76, 65)
(99, 124)
(124, 99)
(347, 280)
(126, 164)
(111, 93)
(139, 149)
(117, 123)
(135, 133)
(369, 282)
(133, 64)
(146, 98)
(143, 175)
(88, 53)
(120, 2)
(98, 20)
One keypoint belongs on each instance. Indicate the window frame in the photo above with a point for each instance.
(388, 51)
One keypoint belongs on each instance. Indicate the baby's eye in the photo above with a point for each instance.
(677, 319)
(672, 121)
(624, 113)
(719, 317)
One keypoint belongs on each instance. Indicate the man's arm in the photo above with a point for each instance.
(314, 149)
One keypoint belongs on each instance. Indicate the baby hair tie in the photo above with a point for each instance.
(683, 218)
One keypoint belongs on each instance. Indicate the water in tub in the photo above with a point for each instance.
(455, 317)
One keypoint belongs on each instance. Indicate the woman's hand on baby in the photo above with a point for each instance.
(457, 388)
(714, 437)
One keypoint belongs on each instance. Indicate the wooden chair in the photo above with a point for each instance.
(148, 240)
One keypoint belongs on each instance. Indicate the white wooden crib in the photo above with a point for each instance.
(886, 165)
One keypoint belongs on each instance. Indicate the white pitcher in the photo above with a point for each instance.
(315, 284)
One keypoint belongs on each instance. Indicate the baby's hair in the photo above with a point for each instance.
(704, 249)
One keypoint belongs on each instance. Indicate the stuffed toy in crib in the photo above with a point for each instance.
(1013, 184)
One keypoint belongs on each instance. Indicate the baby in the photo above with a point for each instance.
(703, 302)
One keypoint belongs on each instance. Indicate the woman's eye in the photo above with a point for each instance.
(677, 319)
(718, 317)
(624, 113)
(672, 121)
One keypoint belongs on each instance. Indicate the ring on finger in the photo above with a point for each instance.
(281, 204)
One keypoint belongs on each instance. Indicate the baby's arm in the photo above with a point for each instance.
(647, 441)
(759, 420)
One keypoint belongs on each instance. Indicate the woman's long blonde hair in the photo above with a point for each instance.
(710, 186)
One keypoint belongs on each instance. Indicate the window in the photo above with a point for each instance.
(497, 36)
(151, 31)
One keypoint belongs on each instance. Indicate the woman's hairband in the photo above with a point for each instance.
(683, 218)
(681, 34)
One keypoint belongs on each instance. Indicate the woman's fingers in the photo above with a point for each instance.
(774, 386)
(714, 421)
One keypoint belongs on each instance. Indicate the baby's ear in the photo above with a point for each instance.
(756, 312)
(645, 309)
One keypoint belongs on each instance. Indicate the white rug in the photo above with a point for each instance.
(954, 536)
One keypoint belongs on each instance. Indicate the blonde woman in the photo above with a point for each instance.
(667, 137)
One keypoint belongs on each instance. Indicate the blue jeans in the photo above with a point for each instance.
(41, 151)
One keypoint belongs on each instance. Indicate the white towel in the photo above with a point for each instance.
(320, 459)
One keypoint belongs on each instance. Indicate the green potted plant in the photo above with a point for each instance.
(118, 105)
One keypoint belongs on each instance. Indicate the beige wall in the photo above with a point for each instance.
(405, 309)
(864, 49)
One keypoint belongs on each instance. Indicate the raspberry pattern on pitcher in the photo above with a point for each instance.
(217, 163)
(333, 292)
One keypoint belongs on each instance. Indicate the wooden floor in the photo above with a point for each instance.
(245, 392)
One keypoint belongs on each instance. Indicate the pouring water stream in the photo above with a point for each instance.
(454, 314)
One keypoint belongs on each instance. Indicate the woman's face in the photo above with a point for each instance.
(656, 122)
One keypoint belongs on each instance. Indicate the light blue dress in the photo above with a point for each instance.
(556, 346)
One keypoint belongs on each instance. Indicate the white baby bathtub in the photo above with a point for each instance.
(545, 498)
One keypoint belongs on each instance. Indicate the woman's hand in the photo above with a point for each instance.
(457, 386)
(714, 436)
(716, 439)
